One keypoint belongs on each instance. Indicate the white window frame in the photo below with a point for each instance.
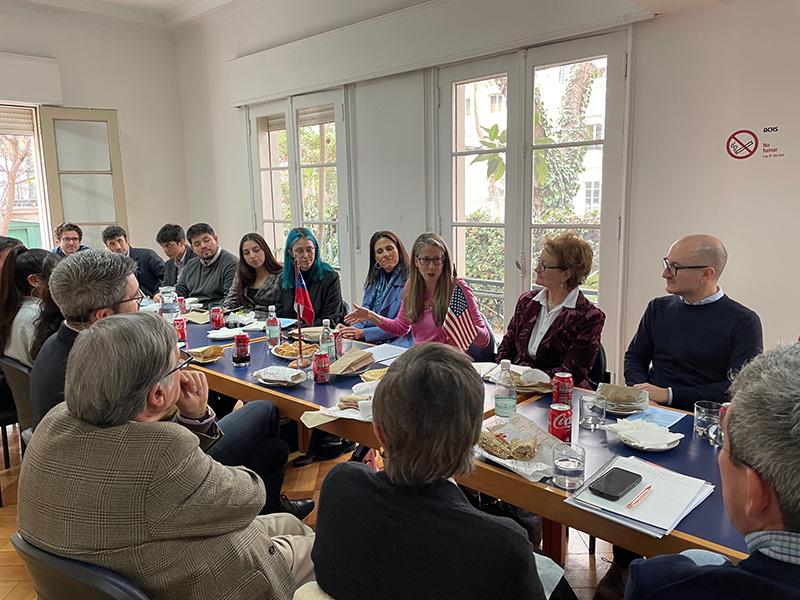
(289, 108)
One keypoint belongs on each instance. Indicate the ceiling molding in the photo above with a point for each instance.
(141, 16)
(191, 10)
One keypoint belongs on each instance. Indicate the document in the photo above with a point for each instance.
(383, 352)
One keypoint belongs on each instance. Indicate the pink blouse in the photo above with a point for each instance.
(425, 328)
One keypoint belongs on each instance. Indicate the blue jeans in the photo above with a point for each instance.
(252, 439)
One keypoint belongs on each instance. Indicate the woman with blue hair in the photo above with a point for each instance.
(321, 281)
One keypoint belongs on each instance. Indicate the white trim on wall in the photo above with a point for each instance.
(30, 80)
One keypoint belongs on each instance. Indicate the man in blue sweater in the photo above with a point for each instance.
(688, 343)
(760, 470)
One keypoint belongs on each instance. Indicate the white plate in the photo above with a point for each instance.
(669, 446)
(223, 334)
(181, 345)
(290, 358)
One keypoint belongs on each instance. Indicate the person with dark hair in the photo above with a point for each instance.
(257, 284)
(321, 281)
(20, 298)
(172, 240)
(93, 285)
(69, 237)
(383, 288)
(149, 268)
(50, 317)
(210, 274)
(555, 328)
(6, 244)
(423, 536)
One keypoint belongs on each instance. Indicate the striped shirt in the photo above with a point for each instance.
(780, 545)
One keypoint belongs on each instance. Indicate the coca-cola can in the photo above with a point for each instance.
(559, 422)
(723, 409)
(337, 341)
(322, 367)
(241, 350)
(217, 317)
(182, 304)
(562, 388)
(179, 323)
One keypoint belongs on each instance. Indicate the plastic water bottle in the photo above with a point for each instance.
(326, 341)
(169, 303)
(505, 394)
(273, 328)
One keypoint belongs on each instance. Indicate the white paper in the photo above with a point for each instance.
(347, 413)
(385, 351)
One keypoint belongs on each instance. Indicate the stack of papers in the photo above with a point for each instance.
(673, 496)
(385, 353)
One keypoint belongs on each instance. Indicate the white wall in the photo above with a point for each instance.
(129, 69)
(700, 76)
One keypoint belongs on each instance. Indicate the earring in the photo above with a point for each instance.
(377, 266)
(382, 452)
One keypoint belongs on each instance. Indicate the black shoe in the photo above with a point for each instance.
(612, 585)
(304, 460)
(298, 508)
(334, 450)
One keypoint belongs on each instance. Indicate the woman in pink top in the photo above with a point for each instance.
(426, 298)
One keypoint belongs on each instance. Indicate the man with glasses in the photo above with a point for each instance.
(759, 467)
(110, 480)
(688, 343)
(68, 238)
(686, 346)
(92, 285)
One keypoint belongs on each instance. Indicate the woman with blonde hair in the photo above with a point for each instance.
(432, 289)
(554, 327)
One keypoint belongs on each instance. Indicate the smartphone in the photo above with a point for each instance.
(614, 484)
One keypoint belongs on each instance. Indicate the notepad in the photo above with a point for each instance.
(673, 497)
(383, 352)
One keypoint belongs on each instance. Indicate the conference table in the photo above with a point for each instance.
(706, 527)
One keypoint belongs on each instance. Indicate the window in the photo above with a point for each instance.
(296, 148)
(540, 153)
(592, 190)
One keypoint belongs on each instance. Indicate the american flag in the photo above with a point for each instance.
(302, 301)
(458, 322)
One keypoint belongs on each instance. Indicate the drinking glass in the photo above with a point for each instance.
(705, 414)
(568, 466)
(593, 411)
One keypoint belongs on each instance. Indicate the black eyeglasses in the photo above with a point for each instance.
(430, 260)
(540, 266)
(137, 298)
(180, 366)
(673, 269)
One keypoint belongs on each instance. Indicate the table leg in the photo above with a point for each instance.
(554, 540)
(303, 437)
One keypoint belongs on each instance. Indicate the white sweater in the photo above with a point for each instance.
(23, 330)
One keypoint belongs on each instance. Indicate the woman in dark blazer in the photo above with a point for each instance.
(383, 289)
(321, 281)
(257, 284)
(555, 328)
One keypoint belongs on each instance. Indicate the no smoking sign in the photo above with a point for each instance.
(742, 144)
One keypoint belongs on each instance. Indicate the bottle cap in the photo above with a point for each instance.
(326, 322)
(271, 308)
(505, 364)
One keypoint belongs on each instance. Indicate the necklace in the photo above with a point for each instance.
(427, 305)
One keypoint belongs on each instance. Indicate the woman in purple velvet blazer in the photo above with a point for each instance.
(555, 328)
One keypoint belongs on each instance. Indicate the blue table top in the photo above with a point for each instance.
(326, 395)
(694, 456)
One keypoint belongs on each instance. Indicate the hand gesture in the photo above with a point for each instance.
(658, 395)
(193, 400)
(352, 333)
(358, 315)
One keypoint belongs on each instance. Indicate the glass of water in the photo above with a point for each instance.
(593, 411)
(706, 414)
(568, 466)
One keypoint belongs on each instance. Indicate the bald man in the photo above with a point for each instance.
(689, 342)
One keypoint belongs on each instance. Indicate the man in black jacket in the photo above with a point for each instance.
(149, 268)
(172, 240)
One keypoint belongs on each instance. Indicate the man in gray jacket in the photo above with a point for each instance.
(209, 275)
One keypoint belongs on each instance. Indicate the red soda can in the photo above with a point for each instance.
(182, 304)
(337, 341)
(180, 328)
(562, 388)
(723, 409)
(217, 317)
(322, 367)
(559, 422)
(241, 350)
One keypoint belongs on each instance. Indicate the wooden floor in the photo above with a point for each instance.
(582, 570)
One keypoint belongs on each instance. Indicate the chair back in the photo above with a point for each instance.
(58, 578)
(487, 353)
(18, 377)
(598, 373)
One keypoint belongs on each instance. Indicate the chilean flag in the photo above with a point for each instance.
(302, 301)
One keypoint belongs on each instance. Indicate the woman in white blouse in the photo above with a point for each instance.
(19, 296)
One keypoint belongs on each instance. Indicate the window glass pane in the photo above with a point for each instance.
(560, 180)
(273, 149)
(19, 188)
(569, 100)
(92, 235)
(317, 136)
(480, 115)
(275, 197)
(479, 255)
(275, 233)
(479, 188)
(88, 198)
(82, 146)
(592, 236)
(327, 235)
(320, 202)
